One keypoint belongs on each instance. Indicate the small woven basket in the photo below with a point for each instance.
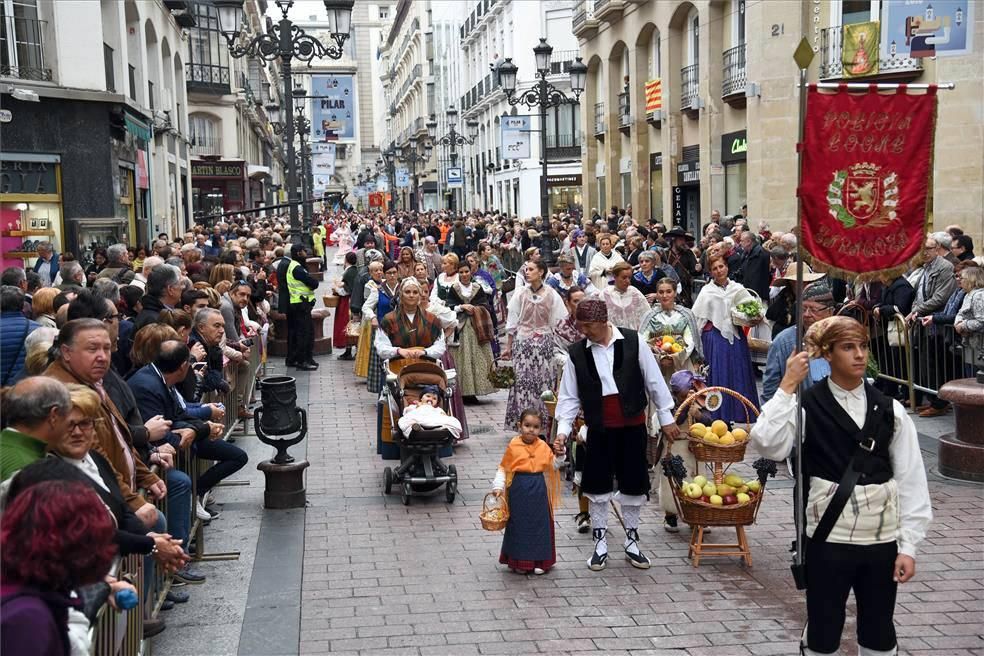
(756, 345)
(330, 300)
(494, 515)
(742, 319)
(706, 451)
(502, 376)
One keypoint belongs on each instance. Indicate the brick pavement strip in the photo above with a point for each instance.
(381, 578)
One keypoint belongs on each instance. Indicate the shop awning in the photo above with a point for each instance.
(257, 171)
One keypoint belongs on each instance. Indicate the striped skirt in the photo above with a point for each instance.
(366, 338)
(529, 538)
(374, 379)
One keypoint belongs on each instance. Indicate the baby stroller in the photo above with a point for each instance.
(421, 468)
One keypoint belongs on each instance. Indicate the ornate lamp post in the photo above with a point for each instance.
(542, 96)
(286, 42)
(412, 156)
(453, 138)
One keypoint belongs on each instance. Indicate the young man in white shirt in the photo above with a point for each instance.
(871, 544)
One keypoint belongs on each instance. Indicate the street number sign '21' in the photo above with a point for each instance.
(514, 135)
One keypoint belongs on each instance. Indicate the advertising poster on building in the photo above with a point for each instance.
(514, 137)
(927, 28)
(333, 107)
(323, 158)
(455, 177)
(402, 177)
(321, 183)
(859, 54)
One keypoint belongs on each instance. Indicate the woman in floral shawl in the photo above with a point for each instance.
(473, 352)
(670, 318)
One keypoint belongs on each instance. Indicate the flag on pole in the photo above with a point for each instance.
(654, 95)
(867, 162)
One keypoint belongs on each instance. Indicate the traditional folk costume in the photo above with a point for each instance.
(725, 347)
(491, 295)
(612, 384)
(600, 271)
(528, 474)
(533, 314)
(368, 333)
(449, 322)
(680, 324)
(681, 385)
(382, 302)
(397, 330)
(343, 237)
(441, 287)
(576, 281)
(473, 350)
(341, 319)
(887, 513)
(625, 309)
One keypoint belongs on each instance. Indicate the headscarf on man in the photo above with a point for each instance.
(826, 333)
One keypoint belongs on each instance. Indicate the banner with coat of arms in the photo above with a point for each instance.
(867, 162)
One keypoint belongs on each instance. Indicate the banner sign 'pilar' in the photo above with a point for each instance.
(867, 162)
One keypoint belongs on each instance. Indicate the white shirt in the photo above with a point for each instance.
(569, 404)
(384, 346)
(774, 434)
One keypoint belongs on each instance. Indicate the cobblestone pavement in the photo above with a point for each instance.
(381, 578)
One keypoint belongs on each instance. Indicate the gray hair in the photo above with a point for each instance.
(942, 239)
(201, 317)
(160, 278)
(116, 253)
(45, 246)
(14, 276)
(30, 401)
(647, 255)
(974, 275)
(107, 289)
(150, 262)
(69, 270)
(11, 299)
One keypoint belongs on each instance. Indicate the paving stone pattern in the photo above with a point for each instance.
(381, 578)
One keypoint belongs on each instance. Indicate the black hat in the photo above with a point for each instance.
(676, 231)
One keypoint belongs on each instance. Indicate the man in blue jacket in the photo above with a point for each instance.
(14, 329)
(154, 387)
(47, 264)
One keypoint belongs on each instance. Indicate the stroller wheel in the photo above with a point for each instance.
(405, 495)
(450, 490)
(388, 480)
(453, 473)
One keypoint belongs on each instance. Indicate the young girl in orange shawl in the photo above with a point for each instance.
(528, 475)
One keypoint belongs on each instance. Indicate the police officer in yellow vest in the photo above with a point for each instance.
(296, 299)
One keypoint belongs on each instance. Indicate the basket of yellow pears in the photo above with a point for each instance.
(717, 442)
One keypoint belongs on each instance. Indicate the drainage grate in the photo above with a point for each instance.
(480, 429)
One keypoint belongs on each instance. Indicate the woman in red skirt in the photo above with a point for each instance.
(344, 292)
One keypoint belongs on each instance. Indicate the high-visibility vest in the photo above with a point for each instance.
(299, 292)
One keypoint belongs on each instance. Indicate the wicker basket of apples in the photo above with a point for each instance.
(667, 349)
(732, 501)
(717, 442)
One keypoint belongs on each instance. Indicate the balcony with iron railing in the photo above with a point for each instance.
(624, 115)
(608, 9)
(208, 78)
(22, 49)
(583, 22)
(599, 119)
(206, 145)
(563, 146)
(735, 78)
(689, 87)
(891, 66)
(561, 60)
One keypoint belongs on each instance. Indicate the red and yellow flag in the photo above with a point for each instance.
(654, 95)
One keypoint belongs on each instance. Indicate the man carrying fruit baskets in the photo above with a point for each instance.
(867, 502)
(612, 376)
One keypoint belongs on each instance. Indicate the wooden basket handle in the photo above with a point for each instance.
(707, 390)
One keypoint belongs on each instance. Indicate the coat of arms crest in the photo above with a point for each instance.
(863, 196)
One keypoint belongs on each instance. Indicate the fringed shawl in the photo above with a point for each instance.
(532, 458)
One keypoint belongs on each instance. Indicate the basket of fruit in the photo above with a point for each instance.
(495, 512)
(732, 501)
(750, 312)
(667, 348)
(717, 443)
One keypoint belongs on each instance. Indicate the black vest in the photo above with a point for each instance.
(831, 436)
(628, 378)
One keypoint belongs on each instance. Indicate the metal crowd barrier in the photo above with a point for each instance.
(121, 633)
(925, 357)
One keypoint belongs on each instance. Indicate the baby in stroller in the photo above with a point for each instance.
(428, 414)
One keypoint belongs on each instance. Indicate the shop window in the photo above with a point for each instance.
(735, 187)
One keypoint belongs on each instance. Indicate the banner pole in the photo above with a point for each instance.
(803, 57)
(883, 86)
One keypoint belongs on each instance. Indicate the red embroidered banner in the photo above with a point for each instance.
(867, 162)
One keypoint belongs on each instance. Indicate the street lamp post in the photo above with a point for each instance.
(542, 96)
(412, 156)
(286, 42)
(453, 138)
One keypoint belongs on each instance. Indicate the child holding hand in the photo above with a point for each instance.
(528, 475)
